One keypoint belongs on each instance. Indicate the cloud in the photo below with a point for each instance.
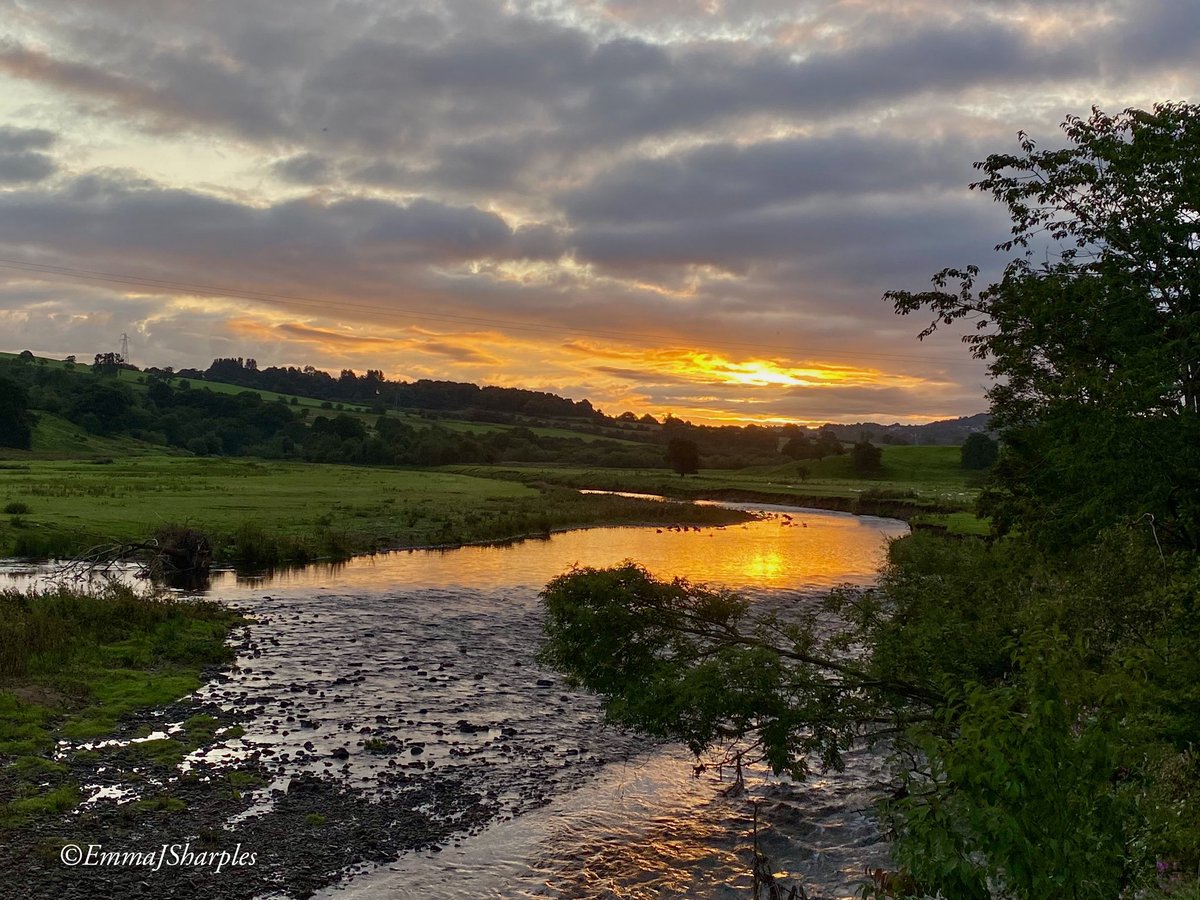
(326, 336)
(303, 168)
(113, 216)
(22, 156)
(602, 183)
(727, 177)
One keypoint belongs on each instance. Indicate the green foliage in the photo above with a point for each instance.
(1021, 794)
(804, 446)
(681, 661)
(57, 800)
(102, 656)
(979, 452)
(1097, 367)
(15, 419)
(1059, 761)
(867, 459)
(161, 803)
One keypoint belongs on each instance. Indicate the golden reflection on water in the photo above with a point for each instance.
(786, 550)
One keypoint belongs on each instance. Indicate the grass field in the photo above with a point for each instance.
(927, 474)
(918, 476)
(300, 510)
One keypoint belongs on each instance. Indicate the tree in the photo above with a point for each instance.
(803, 446)
(1095, 351)
(979, 451)
(15, 420)
(866, 458)
(798, 447)
(828, 444)
(681, 661)
(683, 456)
(108, 363)
(101, 407)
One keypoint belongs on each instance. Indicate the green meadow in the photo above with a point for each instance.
(264, 513)
(922, 484)
(298, 511)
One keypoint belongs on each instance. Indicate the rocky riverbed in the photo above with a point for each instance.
(386, 725)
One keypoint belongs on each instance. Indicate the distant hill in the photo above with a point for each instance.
(460, 404)
(944, 431)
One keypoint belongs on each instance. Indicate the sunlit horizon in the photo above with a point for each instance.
(692, 209)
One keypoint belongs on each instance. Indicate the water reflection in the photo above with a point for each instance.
(449, 636)
(787, 549)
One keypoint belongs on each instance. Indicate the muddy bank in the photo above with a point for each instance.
(233, 818)
(316, 830)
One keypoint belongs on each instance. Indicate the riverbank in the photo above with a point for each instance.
(89, 708)
(924, 486)
(258, 514)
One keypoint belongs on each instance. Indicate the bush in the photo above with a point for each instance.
(16, 508)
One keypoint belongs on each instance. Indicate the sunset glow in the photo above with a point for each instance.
(685, 208)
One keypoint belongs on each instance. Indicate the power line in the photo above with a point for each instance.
(281, 299)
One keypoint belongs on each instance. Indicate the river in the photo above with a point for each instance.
(432, 652)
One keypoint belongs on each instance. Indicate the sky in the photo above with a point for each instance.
(690, 207)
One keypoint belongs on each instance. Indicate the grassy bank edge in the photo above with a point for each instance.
(78, 665)
(953, 518)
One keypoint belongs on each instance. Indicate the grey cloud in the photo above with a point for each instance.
(1160, 31)
(21, 156)
(474, 81)
(726, 177)
(21, 140)
(303, 168)
(843, 235)
(21, 167)
(643, 376)
(295, 244)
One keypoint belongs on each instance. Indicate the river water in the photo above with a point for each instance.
(420, 664)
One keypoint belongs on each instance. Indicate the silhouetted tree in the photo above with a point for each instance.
(108, 363)
(1096, 366)
(979, 452)
(683, 456)
(15, 420)
(866, 458)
